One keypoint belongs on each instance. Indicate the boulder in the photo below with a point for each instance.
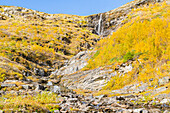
(163, 81)
(56, 89)
(49, 83)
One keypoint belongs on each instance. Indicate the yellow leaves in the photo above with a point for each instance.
(41, 49)
(147, 37)
(118, 82)
(18, 44)
(39, 103)
(151, 37)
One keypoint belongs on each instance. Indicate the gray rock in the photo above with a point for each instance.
(162, 96)
(127, 111)
(161, 89)
(9, 81)
(168, 2)
(88, 98)
(89, 80)
(126, 69)
(130, 110)
(1, 111)
(166, 111)
(49, 83)
(74, 64)
(137, 111)
(100, 96)
(2, 92)
(163, 81)
(120, 98)
(120, 111)
(26, 87)
(39, 87)
(56, 111)
(130, 96)
(143, 87)
(72, 99)
(164, 101)
(145, 111)
(56, 89)
(7, 85)
(86, 109)
(154, 111)
(39, 72)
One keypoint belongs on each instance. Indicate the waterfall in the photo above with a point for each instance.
(99, 25)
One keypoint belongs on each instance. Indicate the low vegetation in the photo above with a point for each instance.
(40, 40)
(143, 42)
(40, 103)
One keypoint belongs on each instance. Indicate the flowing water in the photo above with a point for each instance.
(99, 25)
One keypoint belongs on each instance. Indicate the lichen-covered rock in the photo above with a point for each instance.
(75, 64)
(90, 80)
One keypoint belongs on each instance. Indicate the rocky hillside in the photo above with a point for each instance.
(105, 23)
(117, 61)
(40, 42)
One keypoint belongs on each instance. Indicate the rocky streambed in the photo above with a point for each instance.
(69, 81)
(70, 102)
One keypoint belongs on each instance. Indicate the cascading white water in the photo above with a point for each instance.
(99, 25)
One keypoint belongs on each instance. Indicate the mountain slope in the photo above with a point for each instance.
(40, 41)
(138, 52)
(117, 61)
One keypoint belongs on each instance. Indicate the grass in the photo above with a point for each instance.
(40, 103)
